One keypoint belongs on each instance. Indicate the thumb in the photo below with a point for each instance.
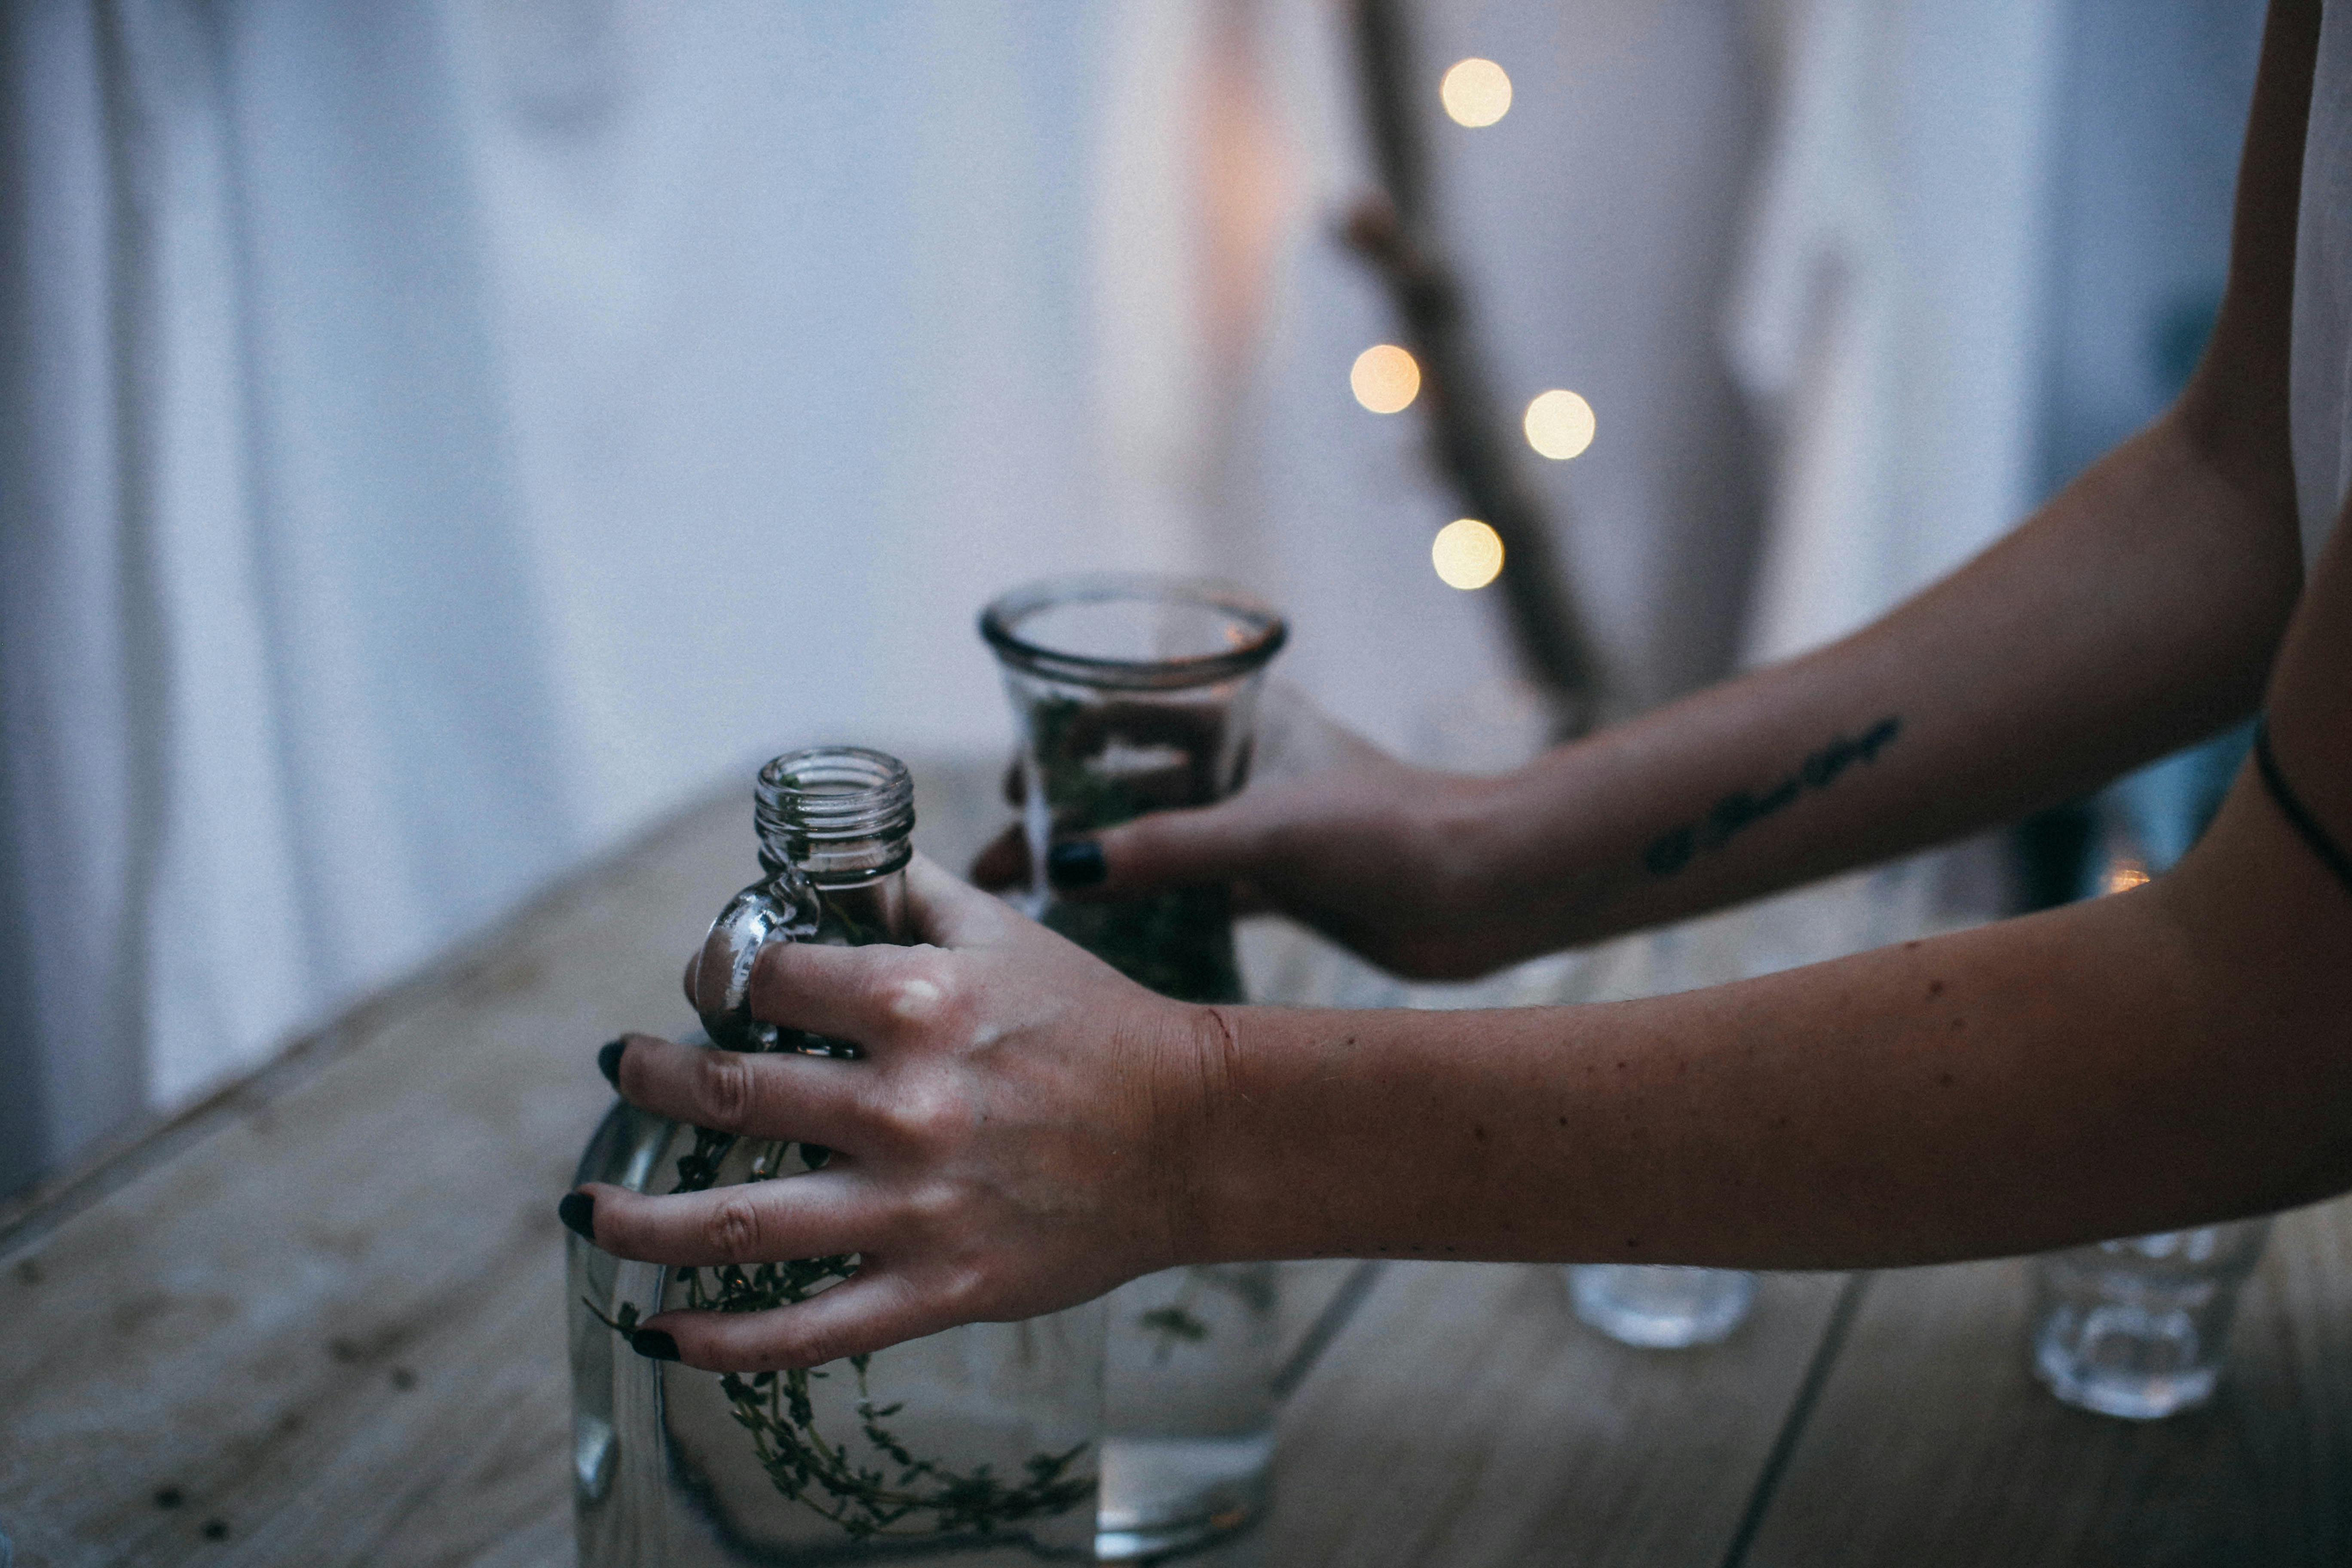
(1165, 849)
(949, 911)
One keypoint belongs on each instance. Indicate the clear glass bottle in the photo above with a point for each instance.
(981, 1443)
(1137, 694)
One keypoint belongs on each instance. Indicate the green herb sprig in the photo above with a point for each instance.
(1178, 943)
(908, 1495)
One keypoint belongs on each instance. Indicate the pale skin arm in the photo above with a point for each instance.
(1028, 1127)
(2137, 612)
(2177, 1053)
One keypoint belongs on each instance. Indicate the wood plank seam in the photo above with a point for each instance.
(1335, 1317)
(115, 1162)
(1800, 1409)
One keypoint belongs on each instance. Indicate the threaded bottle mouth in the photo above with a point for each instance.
(835, 812)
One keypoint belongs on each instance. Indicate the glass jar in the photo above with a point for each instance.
(979, 1443)
(1136, 694)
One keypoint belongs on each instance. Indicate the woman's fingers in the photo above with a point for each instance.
(872, 1309)
(873, 995)
(1165, 849)
(814, 1216)
(950, 912)
(1004, 863)
(867, 996)
(779, 1094)
(981, 1156)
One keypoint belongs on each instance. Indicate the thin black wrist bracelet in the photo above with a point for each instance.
(2331, 854)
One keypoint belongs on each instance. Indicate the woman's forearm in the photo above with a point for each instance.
(2136, 613)
(2157, 1058)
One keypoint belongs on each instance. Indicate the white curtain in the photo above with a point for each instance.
(1890, 304)
(278, 719)
(444, 435)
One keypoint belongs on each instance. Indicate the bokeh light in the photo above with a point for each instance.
(1476, 93)
(1385, 379)
(1467, 553)
(1559, 425)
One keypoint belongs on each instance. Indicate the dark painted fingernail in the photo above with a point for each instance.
(578, 1213)
(608, 1061)
(1078, 864)
(654, 1345)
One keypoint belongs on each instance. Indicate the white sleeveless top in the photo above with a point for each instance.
(2319, 389)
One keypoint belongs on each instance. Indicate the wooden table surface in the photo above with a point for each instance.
(320, 1321)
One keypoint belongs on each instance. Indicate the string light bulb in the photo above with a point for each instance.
(1559, 424)
(1476, 93)
(1467, 553)
(1385, 379)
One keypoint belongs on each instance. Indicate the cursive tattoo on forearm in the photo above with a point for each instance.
(1672, 850)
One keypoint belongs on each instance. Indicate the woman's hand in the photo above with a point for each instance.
(1383, 856)
(1011, 1142)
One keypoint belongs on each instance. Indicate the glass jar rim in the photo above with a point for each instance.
(1000, 621)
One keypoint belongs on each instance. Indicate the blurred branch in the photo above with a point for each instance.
(1396, 234)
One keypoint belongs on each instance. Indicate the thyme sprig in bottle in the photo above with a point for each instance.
(983, 1436)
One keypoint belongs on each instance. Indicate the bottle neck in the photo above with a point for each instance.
(871, 910)
(843, 817)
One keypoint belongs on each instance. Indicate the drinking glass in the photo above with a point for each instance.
(1654, 1306)
(2137, 1328)
(1659, 1307)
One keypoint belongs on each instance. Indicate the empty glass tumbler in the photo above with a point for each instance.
(1137, 694)
(1654, 1306)
(979, 1443)
(2137, 1328)
(1658, 1306)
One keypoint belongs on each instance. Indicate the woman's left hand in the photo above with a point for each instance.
(1010, 1142)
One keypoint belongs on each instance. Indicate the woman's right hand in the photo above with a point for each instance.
(1390, 859)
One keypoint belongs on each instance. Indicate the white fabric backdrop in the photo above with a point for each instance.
(277, 718)
(1890, 301)
(444, 435)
